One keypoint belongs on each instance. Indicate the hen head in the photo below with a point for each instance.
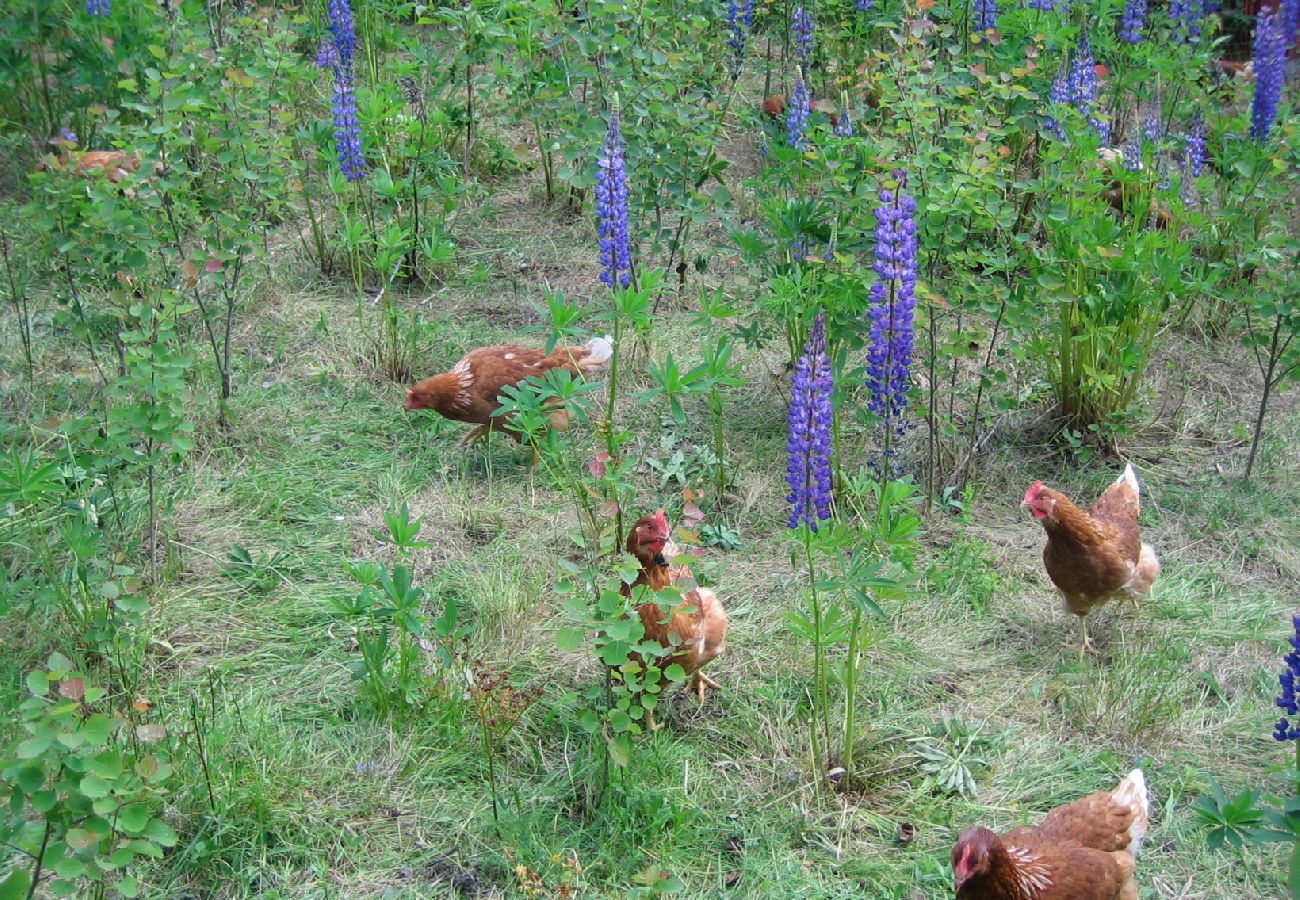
(430, 393)
(648, 536)
(1041, 501)
(970, 855)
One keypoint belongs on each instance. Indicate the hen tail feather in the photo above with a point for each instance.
(1129, 477)
(601, 349)
(1132, 793)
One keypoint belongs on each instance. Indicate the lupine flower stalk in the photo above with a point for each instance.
(1083, 88)
(1042, 5)
(99, 8)
(801, 25)
(338, 55)
(1290, 20)
(1131, 159)
(1186, 16)
(1270, 62)
(347, 127)
(343, 30)
(864, 5)
(611, 208)
(1194, 146)
(985, 15)
(1286, 729)
(808, 471)
(1076, 84)
(1060, 93)
(327, 55)
(1133, 21)
(1151, 126)
(893, 305)
(844, 124)
(740, 17)
(796, 117)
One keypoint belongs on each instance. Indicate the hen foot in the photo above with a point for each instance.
(472, 435)
(698, 683)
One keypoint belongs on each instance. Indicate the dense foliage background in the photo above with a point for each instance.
(870, 269)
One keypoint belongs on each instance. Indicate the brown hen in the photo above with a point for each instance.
(1096, 556)
(471, 390)
(1083, 851)
(697, 626)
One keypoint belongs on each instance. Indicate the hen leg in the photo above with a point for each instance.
(698, 682)
(472, 435)
(1087, 645)
(650, 722)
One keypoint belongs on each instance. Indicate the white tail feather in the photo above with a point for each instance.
(1131, 477)
(1132, 792)
(602, 348)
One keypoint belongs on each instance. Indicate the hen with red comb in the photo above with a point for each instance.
(696, 627)
(1096, 555)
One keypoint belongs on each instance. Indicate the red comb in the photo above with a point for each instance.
(1033, 492)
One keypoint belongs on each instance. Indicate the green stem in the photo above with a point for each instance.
(851, 695)
(820, 728)
(492, 773)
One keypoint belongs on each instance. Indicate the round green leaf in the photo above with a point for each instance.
(15, 885)
(38, 683)
(94, 787)
(134, 818)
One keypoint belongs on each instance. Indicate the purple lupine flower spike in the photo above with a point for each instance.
(1133, 22)
(1042, 5)
(1290, 21)
(1131, 157)
(740, 18)
(343, 30)
(327, 55)
(1270, 62)
(985, 15)
(1083, 88)
(611, 208)
(864, 5)
(796, 117)
(1286, 730)
(893, 305)
(337, 54)
(1194, 145)
(1151, 127)
(1060, 93)
(844, 124)
(99, 8)
(808, 471)
(347, 127)
(801, 25)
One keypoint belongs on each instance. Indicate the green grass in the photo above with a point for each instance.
(315, 798)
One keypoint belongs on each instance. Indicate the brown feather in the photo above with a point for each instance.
(697, 625)
(1081, 851)
(470, 391)
(1097, 555)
